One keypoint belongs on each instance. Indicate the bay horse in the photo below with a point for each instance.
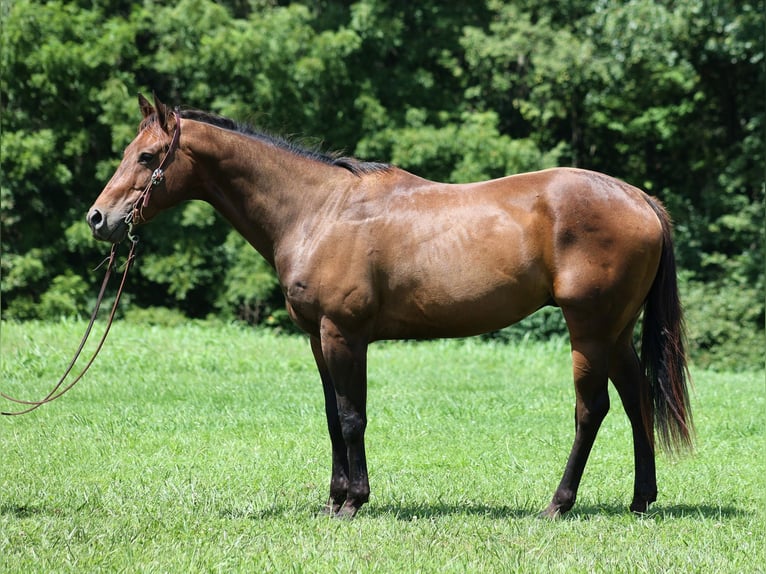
(367, 251)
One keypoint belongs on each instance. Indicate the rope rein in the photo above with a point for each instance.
(135, 215)
(55, 392)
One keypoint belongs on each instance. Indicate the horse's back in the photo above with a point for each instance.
(461, 259)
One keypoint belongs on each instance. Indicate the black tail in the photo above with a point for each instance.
(665, 405)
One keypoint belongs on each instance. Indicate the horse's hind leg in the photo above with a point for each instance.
(625, 372)
(339, 477)
(590, 360)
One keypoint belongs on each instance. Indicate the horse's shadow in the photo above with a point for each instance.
(427, 511)
(438, 510)
(659, 512)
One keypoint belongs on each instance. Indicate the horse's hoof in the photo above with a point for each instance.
(642, 501)
(327, 510)
(554, 511)
(640, 507)
(330, 508)
(550, 513)
(347, 511)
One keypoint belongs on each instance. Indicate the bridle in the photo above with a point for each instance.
(135, 216)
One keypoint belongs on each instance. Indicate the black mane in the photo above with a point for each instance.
(351, 164)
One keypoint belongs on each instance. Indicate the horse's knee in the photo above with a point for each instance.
(600, 405)
(353, 425)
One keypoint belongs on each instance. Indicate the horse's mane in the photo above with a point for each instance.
(355, 166)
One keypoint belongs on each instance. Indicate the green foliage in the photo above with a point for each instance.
(249, 283)
(67, 297)
(471, 150)
(667, 96)
(155, 316)
(723, 321)
(547, 324)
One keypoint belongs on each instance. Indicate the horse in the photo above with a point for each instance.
(367, 251)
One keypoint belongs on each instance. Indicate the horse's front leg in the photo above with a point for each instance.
(346, 359)
(339, 478)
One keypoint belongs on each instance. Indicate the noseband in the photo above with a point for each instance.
(135, 216)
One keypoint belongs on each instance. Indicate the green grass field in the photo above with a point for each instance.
(203, 449)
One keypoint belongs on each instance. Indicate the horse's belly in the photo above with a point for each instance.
(459, 305)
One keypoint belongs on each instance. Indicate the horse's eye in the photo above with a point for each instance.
(145, 158)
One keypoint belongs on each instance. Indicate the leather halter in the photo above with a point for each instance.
(135, 216)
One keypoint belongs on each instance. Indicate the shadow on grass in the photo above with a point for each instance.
(583, 512)
(696, 510)
(425, 511)
(24, 511)
(658, 512)
(407, 512)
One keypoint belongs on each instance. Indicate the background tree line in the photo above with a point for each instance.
(665, 94)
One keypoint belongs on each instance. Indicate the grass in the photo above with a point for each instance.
(203, 449)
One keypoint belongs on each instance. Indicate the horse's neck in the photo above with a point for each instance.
(263, 190)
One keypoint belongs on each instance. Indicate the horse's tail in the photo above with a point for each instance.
(665, 401)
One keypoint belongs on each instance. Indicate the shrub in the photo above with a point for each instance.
(725, 325)
(67, 297)
(161, 316)
(543, 325)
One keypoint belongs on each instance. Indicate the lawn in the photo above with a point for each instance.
(203, 448)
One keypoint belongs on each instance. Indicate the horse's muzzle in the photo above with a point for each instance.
(105, 226)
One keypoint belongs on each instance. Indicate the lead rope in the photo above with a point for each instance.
(55, 392)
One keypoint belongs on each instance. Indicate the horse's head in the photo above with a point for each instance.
(152, 176)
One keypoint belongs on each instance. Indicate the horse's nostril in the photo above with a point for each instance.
(95, 219)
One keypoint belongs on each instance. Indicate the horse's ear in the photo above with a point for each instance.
(162, 113)
(146, 108)
(164, 116)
